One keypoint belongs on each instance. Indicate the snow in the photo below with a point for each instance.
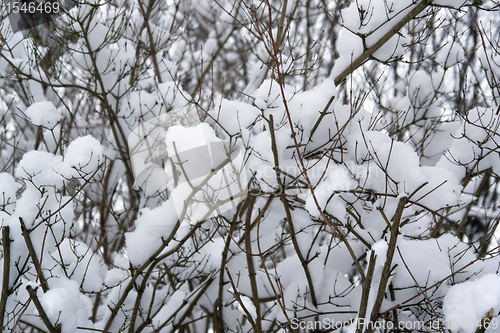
(450, 3)
(153, 225)
(43, 114)
(467, 303)
(392, 48)
(174, 304)
(398, 158)
(115, 276)
(442, 189)
(416, 254)
(339, 180)
(476, 135)
(336, 207)
(38, 167)
(81, 263)
(98, 33)
(360, 161)
(380, 248)
(248, 305)
(191, 137)
(147, 146)
(8, 189)
(83, 154)
(235, 116)
(65, 305)
(369, 19)
(210, 255)
(420, 89)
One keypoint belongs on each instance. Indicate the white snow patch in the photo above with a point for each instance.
(8, 189)
(467, 303)
(249, 306)
(152, 226)
(43, 114)
(65, 305)
(39, 166)
(84, 154)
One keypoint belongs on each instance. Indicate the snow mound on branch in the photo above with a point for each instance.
(43, 114)
(416, 254)
(8, 188)
(192, 137)
(39, 167)
(115, 276)
(65, 305)
(249, 306)
(81, 263)
(84, 153)
(370, 20)
(478, 133)
(421, 89)
(44, 169)
(152, 226)
(467, 303)
(402, 164)
(235, 116)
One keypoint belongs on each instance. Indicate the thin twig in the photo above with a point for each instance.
(238, 299)
(442, 280)
(288, 213)
(420, 288)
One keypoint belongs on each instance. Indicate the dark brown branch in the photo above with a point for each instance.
(6, 272)
(34, 258)
(386, 271)
(322, 115)
(218, 315)
(251, 267)
(41, 311)
(367, 282)
(371, 50)
(238, 298)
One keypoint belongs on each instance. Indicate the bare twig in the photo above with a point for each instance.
(238, 299)
(288, 213)
(481, 257)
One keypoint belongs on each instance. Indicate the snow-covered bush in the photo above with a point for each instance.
(360, 140)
